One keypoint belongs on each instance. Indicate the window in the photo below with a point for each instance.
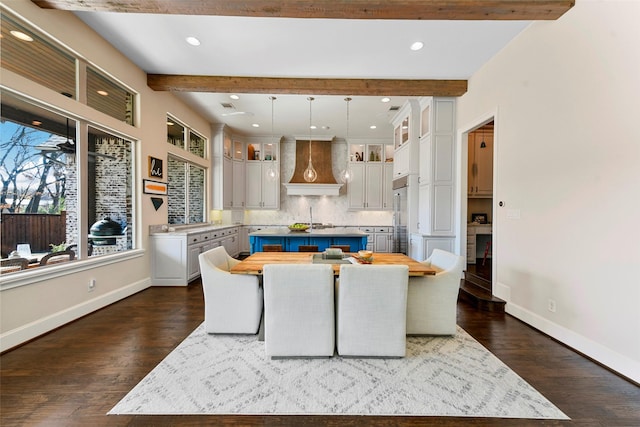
(186, 192)
(39, 187)
(109, 97)
(28, 54)
(177, 134)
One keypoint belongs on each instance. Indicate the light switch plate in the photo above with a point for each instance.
(513, 213)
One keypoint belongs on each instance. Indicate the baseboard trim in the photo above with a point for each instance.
(610, 359)
(25, 333)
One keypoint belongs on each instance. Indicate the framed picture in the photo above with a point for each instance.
(479, 218)
(155, 167)
(154, 187)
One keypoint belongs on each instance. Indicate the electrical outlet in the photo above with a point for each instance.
(552, 305)
(92, 285)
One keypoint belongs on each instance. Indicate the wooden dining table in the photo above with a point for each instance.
(254, 264)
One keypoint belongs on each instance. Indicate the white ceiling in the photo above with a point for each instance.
(280, 47)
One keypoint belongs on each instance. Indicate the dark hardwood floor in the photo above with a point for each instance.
(73, 376)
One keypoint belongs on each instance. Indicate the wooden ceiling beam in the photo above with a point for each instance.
(331, 9)
(306, 86)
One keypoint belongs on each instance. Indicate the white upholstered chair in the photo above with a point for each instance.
(371, 303)
(232, 302)
(299, 310)
(432, 300)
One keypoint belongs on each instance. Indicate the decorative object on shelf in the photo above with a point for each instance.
(346, 174)
(155, 167)
(310, 174)
(479, 218)
(157, 202)
(154, 187)
(272, 170)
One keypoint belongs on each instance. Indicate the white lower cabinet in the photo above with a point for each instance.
(420, 247)
(174, 256)
(379, 239)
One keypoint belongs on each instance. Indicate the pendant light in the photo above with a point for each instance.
(310, 174)
(272, 170)
(346, 174)
(483, 144)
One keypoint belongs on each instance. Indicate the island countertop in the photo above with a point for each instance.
(323, 232)
(290, 241)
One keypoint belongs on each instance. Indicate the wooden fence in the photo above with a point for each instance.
(38, 230)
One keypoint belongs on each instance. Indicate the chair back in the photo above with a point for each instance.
(345, 248)
(308, 248)
(299, 310)
(371, 306)
(56, 257)
(13, 264)
(446, 261)
(217, 257)
(271, 248)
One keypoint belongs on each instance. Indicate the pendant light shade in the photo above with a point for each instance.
(272, 171)
(346, 174)
(310, 174)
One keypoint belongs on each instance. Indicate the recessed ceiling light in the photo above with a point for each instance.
(234, 97)
(385, 99)
(170, 123)
(22, 36)
(36, 122)
(313, 127)
(103, 92)
(417, 45)
(193, 41)
(255, 125)
(373, 127)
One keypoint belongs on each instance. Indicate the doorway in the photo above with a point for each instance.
(478, 209)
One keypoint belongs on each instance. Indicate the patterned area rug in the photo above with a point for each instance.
(230, 374)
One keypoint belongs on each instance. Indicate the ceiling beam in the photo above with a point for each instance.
(332, 9)
(306, 86)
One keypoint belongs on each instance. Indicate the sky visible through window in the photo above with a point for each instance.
(26, 170)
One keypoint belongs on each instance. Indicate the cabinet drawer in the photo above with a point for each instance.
(383, 230)
(367, 229)
(194, 238)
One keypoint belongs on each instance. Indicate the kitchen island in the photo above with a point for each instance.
(323, 238)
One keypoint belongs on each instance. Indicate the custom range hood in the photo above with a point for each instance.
(325, 184)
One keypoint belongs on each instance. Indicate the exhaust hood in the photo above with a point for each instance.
(325, 184)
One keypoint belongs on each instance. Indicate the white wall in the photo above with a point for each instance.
(52, 300)
(567, 156)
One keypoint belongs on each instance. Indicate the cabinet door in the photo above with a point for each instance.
(387, 191)
(401, 162)
(424, 176)
(356, 187)
(193, 270)
(382, 242)
(253, 185)
(227, 183)
(484, 161)
(424, 209)
(373, 183)
(270, 189)
(238, 184)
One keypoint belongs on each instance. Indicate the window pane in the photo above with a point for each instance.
(107, 96)
(27, 54)
(186, 190)
(110, 200)
(175, 133)
(35, 177)
(196, 144)
(196, 194)
(177, 191)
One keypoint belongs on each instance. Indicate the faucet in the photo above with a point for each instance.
(310, 218)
